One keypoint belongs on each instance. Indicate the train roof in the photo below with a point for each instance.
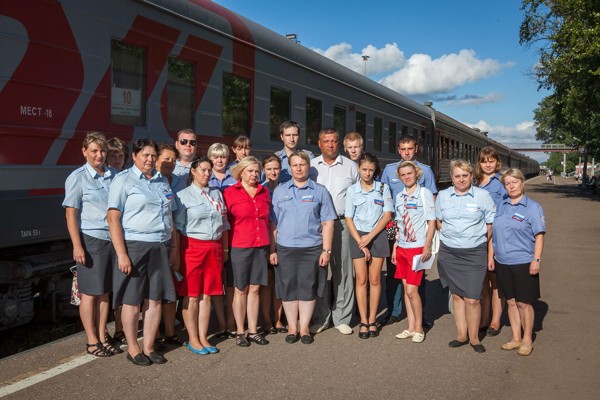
(277, 45)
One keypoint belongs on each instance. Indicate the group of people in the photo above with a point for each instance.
(297, 239)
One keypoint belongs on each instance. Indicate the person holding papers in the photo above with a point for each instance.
(369, 207)
(464, 216)
(415, 217)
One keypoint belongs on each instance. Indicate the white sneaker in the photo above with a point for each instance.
(405, 334)
(344, 329)
(418, 337)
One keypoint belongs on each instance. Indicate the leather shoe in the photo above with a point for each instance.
(478, 348)
(307, 339)
(457, 343)
(290, 339)
(140, 359)
(492, 332)
(156, 358)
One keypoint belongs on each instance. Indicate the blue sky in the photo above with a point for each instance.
(463, 55)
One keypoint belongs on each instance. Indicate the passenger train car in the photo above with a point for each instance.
(148, 68)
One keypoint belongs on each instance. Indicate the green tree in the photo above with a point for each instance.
(566, 34)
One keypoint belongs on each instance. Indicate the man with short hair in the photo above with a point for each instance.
(186, 147)
(407, 149)
(353, 145)
(289, 132)
(337, 173)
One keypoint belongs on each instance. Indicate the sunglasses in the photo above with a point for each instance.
(185, 141)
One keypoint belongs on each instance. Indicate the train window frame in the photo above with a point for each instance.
(128, 93)
(362, 130)
(176, 110)
(235, 117)
(377, 134)
(392, 137)
(313, 128)
(275, 120)
(341, 128)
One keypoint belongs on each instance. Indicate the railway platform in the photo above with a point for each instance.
(564, 364)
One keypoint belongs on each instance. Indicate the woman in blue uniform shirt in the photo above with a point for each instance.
(518, 239)
(302, 228)
(488, 178)
(140, 218)
(464, 216)
(86, 198)
(369, 207)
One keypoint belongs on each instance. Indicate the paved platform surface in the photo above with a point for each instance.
(564, 365)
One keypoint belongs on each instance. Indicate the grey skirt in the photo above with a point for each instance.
(95, 277)
(249, 266)
(298, 275)
(150, 276)
(463, 270)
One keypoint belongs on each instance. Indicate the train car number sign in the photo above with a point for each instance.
(125, 102)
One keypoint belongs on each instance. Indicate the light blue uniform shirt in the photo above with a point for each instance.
(286, 174)
(496, 189)
(180, 170)
(146, 205)
(298, 213)
(221, 184)
(419, 215)
(389, 177)
(367, 208)
(464, 217)
(199, 217)
(87, 191)
(515, 227)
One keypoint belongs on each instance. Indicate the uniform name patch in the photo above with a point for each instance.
(518, 217)
(379, 202)
(307, 199)
(411, 205)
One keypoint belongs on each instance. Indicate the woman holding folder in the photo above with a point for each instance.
(415, 216)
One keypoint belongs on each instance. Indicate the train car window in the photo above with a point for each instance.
(180, 95)
(422, 143)
(377, 133)
(392, 138)
(128, 86)
(314, 119)
(281, 101)
(404, 130)
(447, 149)
(415, 133)
(236, 105)
(361, 125)
(339, 119)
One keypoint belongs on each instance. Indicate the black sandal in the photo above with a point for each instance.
(363, 335)
(174, 340)
(99, 352)
(256, 338)
(374, 333)
(241, 340)
(111, 349)
(120, 337)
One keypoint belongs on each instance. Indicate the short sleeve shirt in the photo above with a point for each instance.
(337, 178)
(299, 212)
(367, 208)
(182, 170)
(87, 191)
(146, 205)
(248, 216)
(201, 213)
(391, 178)
(464, 217)
(286, 174)
(221, 184)
(496, 189)
(420, 210)
(514, 230)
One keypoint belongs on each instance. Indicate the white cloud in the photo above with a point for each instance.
(420, 74)
(468, 100)
(388, 58)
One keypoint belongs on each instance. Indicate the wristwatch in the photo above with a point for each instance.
(326, 251)
(537, 259)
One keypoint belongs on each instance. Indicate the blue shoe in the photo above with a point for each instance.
(212, 349)
(201, 352)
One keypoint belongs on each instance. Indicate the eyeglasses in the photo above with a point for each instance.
(185, 141)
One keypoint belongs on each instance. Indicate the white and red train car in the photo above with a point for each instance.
(148, 68)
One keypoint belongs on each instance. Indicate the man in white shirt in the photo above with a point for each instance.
(337, 173)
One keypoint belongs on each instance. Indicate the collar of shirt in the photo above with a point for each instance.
(523, 201)
(359, 189)
(94, 174)
(416, 194)
(470, 192)
(136, 172)
(288, 185)
(214, 177)
(338, 160)
(238, 186)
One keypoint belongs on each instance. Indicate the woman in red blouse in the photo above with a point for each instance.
(248, 209)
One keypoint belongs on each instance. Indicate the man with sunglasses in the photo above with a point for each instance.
(186, 147)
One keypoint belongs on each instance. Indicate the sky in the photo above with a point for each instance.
(462, 55)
